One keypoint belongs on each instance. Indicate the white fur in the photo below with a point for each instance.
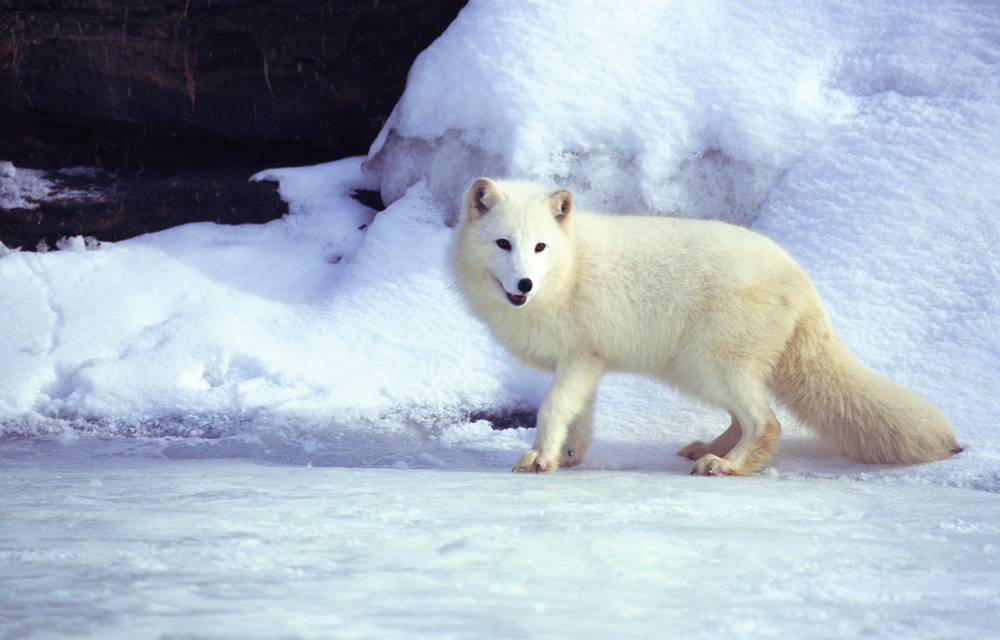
(718, 311)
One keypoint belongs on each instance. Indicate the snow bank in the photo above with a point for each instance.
(210, 320)
(860, 135)
(683, 108)
(694, 109)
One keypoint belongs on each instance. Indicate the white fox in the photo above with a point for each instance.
(718, 311)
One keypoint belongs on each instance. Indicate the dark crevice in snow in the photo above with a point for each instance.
(506, 418)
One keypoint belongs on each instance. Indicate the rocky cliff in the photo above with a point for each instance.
(180, 101)
(125, 82)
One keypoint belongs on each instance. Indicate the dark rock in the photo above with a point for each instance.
(132, 203)
(154, 83)
(508, 418)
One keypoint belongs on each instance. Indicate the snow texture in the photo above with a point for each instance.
(278, 430)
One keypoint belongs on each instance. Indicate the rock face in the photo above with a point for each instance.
(170, 82)
(181, 101)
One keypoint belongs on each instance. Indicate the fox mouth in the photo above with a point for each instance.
(516, 300)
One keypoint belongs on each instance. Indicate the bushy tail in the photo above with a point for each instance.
(868, 417)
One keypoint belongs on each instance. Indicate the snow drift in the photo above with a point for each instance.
(693, 109)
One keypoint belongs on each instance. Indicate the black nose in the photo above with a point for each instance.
(524, 286)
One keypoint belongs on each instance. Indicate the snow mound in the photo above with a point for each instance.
(635, 105)
(693, 109)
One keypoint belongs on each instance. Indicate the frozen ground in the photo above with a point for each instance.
(100, 541)
(272, 431)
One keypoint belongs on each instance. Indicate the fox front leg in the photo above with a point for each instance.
(570, 395)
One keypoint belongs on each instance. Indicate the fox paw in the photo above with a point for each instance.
(712, 465)
(534, 462)
(695, 451)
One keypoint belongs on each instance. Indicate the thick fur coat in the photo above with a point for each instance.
(718, 311)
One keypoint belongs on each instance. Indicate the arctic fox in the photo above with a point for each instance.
(716, 310)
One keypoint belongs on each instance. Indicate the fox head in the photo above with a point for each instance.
(513, 237)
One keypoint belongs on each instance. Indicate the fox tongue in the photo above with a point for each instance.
(517, 300)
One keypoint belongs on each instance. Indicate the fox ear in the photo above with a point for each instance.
(482, 196)
(562, 205)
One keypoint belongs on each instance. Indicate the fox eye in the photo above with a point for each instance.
(540, 247)
(504, 244)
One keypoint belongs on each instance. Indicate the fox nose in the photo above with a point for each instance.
(524, 285)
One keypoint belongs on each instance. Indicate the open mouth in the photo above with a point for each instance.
(516, 300)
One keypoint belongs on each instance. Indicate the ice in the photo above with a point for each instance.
(25, 188)
(22, 188)
(236, 548)
(284, 430)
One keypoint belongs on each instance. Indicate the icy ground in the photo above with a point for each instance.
(276, 431)
(99, 541)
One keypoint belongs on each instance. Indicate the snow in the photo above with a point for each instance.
(721, 99)
(277, 430)
(237, 548)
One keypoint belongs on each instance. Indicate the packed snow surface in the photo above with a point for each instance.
(277, 431)
(112, 547)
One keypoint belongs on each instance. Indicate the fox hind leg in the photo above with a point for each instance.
(750, 453)
(739, 385)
